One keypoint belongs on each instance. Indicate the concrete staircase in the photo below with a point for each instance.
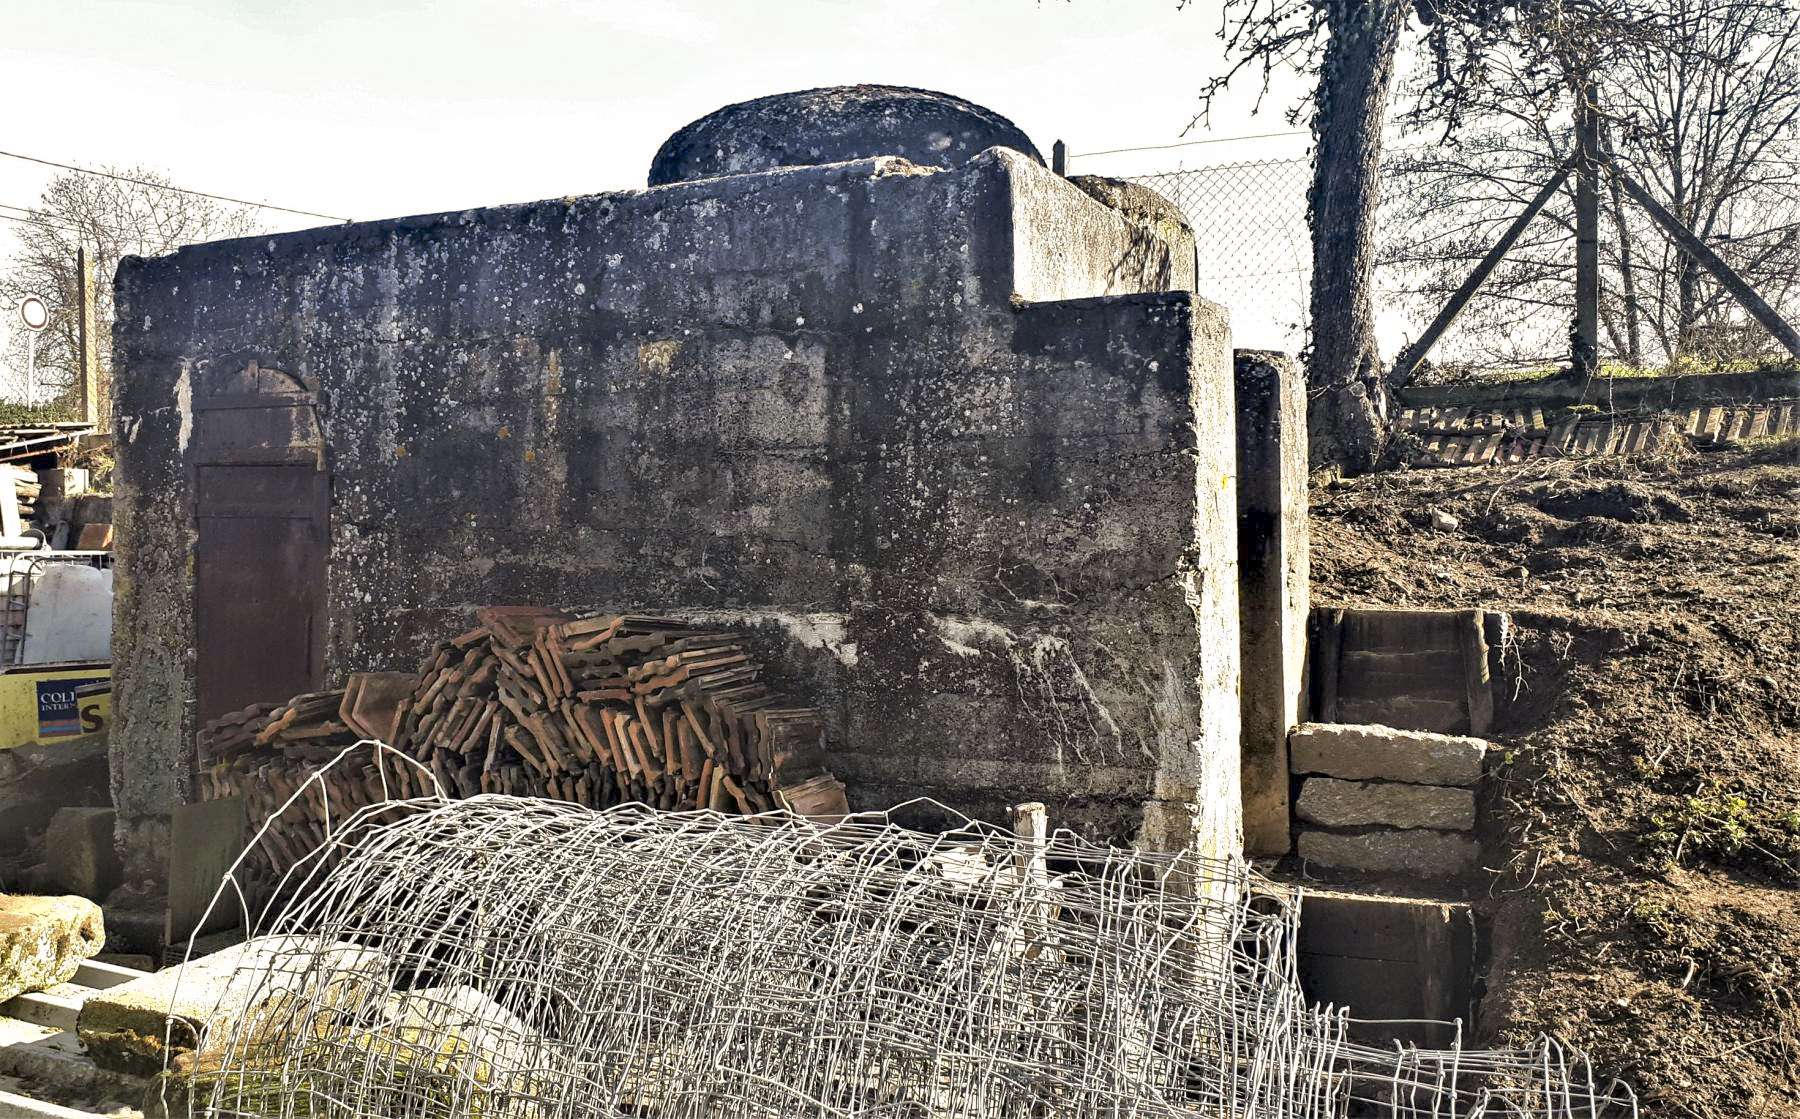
(1387, 783)
(1388, 770)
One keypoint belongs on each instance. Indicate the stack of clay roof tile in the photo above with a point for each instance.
(532, 702)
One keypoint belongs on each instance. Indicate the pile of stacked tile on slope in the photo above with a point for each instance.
(266, 753)
(532, 702)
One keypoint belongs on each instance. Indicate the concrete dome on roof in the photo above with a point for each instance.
(831, 126)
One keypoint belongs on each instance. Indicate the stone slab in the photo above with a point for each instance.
(1363, 752)
(206, 838)
(79, 849)
(131, 1028)
(1334, 803)
(44, 939)
(1419, 852)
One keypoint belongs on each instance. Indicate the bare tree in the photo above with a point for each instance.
(112, 213)
(1705, 113)
(1352, 47)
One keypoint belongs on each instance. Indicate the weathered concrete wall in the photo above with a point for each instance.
(997, 537)
(1273, 560)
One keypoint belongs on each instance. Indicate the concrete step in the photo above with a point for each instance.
(1405, 631)
(1391, 961)
(1358, 680)
(1437, 716)
(57, 1007)
(15, 1106)
(99, 976)
(1412, 669)
(1411, 662)
(39, 1046)
(1383, 753)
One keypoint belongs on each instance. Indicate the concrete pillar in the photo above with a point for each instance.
(1274, 581)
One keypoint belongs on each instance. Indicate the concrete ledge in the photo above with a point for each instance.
(1332, 803)
(136, 1026)
(1426, 854)
(44, 939)
(1362, 752)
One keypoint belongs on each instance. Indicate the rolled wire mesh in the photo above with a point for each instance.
(511, 957)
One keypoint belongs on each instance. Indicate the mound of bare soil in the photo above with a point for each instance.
(1643, 834)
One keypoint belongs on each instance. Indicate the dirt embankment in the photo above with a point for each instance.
(1644, 829)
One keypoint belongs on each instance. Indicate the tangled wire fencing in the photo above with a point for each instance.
(527, 959)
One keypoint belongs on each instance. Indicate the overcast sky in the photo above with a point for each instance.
(373, 109)
(379, 108)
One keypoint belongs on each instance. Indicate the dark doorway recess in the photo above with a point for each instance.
(262, 516)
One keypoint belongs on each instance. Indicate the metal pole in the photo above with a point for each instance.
(1584, 348)
(1770, 319)
(31, 371)
(1416, 352)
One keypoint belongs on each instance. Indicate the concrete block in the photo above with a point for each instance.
(131, 1028)
(44, 939)
(1273, 582)
(1362, 752)
(66, 481)
(1426, 854)
(79, 848)
(1332, 803)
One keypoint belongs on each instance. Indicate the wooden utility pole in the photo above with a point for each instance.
(88, 391)
(1584, 340)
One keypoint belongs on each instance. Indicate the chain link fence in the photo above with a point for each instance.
(1441, 215)
(1253, 245)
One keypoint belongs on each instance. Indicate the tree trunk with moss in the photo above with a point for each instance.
(1347, 404)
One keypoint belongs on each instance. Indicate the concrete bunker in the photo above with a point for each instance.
(954, 441)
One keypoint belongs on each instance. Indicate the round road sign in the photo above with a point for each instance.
(34, 314)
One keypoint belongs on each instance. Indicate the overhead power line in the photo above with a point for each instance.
(176, 189)
(34, 221)
(1184, 144)
(36, 217)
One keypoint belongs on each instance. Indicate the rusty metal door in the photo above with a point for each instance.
(261, 511)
